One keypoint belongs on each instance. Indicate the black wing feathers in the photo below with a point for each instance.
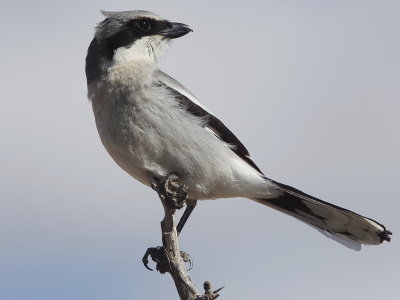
(215, 125)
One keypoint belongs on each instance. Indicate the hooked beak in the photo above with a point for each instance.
(175, 30)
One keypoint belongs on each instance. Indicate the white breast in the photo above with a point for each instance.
(149, 135)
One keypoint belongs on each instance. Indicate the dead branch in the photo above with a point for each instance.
(169, 258)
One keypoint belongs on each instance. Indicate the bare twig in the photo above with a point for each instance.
(169, 258)
(184, 285)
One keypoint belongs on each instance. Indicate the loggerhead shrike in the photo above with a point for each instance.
(152, 126)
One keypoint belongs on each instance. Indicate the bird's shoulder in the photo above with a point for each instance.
(187, 100)
(178, 88)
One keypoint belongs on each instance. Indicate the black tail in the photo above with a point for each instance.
(330, 218)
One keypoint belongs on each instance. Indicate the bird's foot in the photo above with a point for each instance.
(160, 257)
(170, 190)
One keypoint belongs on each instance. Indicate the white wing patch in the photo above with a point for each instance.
(176, 85)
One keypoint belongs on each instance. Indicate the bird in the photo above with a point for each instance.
(152, 127)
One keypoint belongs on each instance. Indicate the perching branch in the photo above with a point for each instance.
(169, 258)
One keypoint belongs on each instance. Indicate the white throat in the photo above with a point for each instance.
(148, 48)
(134, 66)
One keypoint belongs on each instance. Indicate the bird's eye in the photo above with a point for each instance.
(144, 25)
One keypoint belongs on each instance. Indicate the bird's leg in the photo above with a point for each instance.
(171, 191)
(173, 195)
(190, 205)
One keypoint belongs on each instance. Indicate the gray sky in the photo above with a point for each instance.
(310, 87)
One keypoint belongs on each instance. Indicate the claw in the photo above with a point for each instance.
(147, 267)
(190, 265)
(160, 257)
(186, 258)
(146, 261)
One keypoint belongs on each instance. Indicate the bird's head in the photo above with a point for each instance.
(131, 35)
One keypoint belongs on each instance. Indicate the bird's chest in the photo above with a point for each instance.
(132, 123)
(130, 110)
(118, 113)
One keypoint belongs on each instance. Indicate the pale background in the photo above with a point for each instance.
(311, 87)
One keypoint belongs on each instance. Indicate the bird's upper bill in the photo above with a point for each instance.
(175, 30)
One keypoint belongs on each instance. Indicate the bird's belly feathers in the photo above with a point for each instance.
(153, 137)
